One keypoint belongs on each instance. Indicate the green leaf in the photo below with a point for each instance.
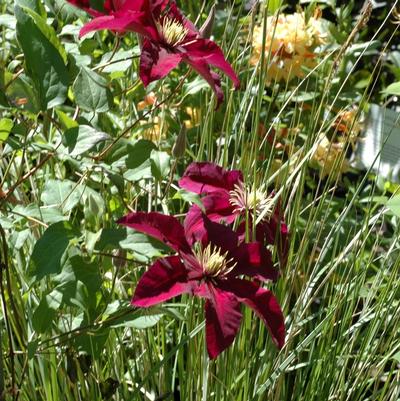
(46, 311)
(143, 247)
(49, 253)
(48, 32)
(273, 5)
(190, 197)
(91, 91)
(83, 138)
(141, 322)
(160, 164)
(44, 63)
(34, 5)
(392, 89)
(110, 238)
(48, 215)
(138, 162)
(64, 194)
(6, 126)
(394, 205)
(78, 283)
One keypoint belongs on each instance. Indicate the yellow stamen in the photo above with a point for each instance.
(172, 31)
(255, 200)
(214, 262)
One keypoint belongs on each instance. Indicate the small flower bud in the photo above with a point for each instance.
(178, 150)
(207, 27)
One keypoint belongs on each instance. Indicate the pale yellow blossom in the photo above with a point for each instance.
(290, 44)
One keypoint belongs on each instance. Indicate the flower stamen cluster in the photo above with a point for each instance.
(214, 262)
(172, 31)
(256, 200)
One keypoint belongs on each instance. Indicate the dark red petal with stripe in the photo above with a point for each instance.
(223, 317)
(254, 260)
(263, 302)
(166, 278)
(204, 177)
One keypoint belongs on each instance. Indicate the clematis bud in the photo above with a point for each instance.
(179, 147)
(207, 27)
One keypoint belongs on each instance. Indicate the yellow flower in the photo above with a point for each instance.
(330, 158)
(347, 125)
(154, 129)
(290, 44)
(195, 117)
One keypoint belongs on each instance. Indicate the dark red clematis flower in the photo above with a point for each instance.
(208, 263)
(168, 38)
(228, 198)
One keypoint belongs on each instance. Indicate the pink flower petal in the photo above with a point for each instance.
(218, 208)
(160, 226)
(211, 77)
(194, 225)
(204, 177)
(254, 260)
(156, 62)
(209, 52)
(199, 228)
(166, 278)
(117, 22)
(223, 317)
(263, 302)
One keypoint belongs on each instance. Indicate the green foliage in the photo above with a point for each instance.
(81, 145)
(91, 91)
(44, 62)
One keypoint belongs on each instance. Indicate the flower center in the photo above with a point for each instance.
(172, 31)
(214, 262)
(254, 200)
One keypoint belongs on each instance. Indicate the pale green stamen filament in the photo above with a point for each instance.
(172, 31)
(214, 261)
(255, 200)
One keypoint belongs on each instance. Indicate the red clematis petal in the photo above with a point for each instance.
(160, 226)
(166, 278)
(207, 51)
(194, 225)
(156, 62)
(213, 79)
(254, 260)
(218, 208)
(198, 227)
(118, 22)
(223, 317)
(204, 177)
(263, 302)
